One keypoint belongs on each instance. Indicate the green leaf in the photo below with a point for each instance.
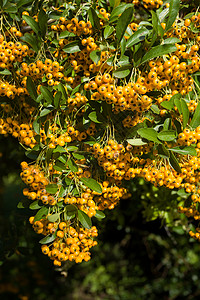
(108, 31)
(84, 219)
(173, 13)
(72, 47)
(59, 149)
(10, 8)
(32, 23)
(31, 88)
(47, 94)
(5, 72)
(95, 117)
(195, 122)
(36, 125)
(167, 135)
(66, 34)
(46, 111)
(118, 10)
(32, 41)
(188, 150)
(95, 56)
(72, 148)
(41, 213)
(137, 37)
(159, 50)
(172, 40)
(122, 23)
(78, 156)
(48, 239)
(57, 99)
(163, 151)
(183, 109)
(23, 3)
(155, 109)
(136, 142)
(99, 214)
(92, 184)
(94, 18)
(122, 72)
(174, 163)
(62, 89)
(52, 188)
(149, 134)
(42, 19)
(35, 205)
(72, 165)
(53, 217)
(167, 124)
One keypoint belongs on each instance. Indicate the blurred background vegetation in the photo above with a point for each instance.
(144, 250)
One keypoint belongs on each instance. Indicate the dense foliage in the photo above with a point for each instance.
(102, 96)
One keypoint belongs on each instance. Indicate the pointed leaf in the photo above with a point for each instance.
(136, 142)
(41, 213)
(84, 219)
(72, 165)
(48, 239)
(99, 214)
(137, 37)
(32, 23)
(42, 19)
(92, 184)
(35, 205)
(173, 13)
(123, 22)
(95, 56)
(31, 88)
(174, 162)
(72, 47)
(46, 94)
(195, 122)
(108, 31)
(94, 18)
(157, 51)
(149, 134)
(188, 150)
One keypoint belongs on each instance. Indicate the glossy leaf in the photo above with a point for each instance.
(84, 219)
(99, 214)
(163, 151)
(72, 165)
(5, 72)
(42, 19)
(137, 37)
(183, 109)
(72, 47)
(122, 72)
(167, 135)
(118, 10)
(31, 88)
(122, 23)
(174, 163)
(53, 217)
(149, 134)
(173, 13)
(56, 100)
(95, 56)
(92, 184)
(32, 23)
(94, 18)
(195, 122)
(159, 50)
(41, 213)
(108, 31)
(188, 150)
(48, 239)
(35, 205)
(136, 142)
(47, 94)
